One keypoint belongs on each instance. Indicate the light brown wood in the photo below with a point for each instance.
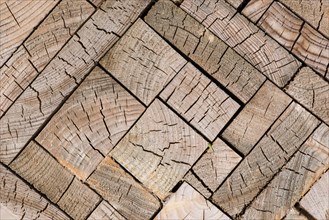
(37, 167)
(206, 49)
(281, 24)
(90, 123)
(79, 200)
(313, 49)
(316, 200)
(143, 62)
(312, 91)
(256, 117)
(235, 3)
(22, 202)
(63, 73)
(294, 214)
(159, 149)
(283, 139)
(294, 180)
(255, 9)
(196, 183)
(126, 195)
(105, 211)
(201, 102)
(97, 3)
(187, 203)
(247, 39)
(18, 18)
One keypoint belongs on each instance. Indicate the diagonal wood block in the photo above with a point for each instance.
(159, 149)
(193, 180)
(295, 214)
(105, 211)
(255, 9)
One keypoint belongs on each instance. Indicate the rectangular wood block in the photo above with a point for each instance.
(193, 180)
(105, 211)
(255, 9)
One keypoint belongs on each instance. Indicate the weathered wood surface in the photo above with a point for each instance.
(126, 195)
(201, 102)
(63, 73)
(255, 9)
(294, 180)
(247, 40)
(206, 49)
(90, 123)
(312, 91)
(18, 18)
(79, 200)
(256, 117)
(143, 62)
(235, 3)
(5, 213)
(281, 24)
(272, 152)
(187, 203)
(294, 214)
(41, 170)
(316, 201)
(159, 149)
(23, 202)
(105, 211)
(193, 180)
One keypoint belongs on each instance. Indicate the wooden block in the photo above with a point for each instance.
(90, 123)
(235, 3)
(56, 29)
(126, 195)
(313, 49)
(96, 3)
(37, 167)
(256, 117)
(281, 24)
(187, 203)
(245, 38)
(63, 74)
(294, 180)
(143, 62)
(105, 211)
(312, 91)
(200, 101)
(196, 183)
(159, 149)
(255, 9)
(206, 49)
(284, 138)
(18, 19)
(316, 200)
(22, 202)
(294, 214)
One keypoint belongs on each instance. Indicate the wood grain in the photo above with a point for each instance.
(159, 149)
(187, 203)
(126, 195)
(294, 214)
(22, 201)
(312, 91)
(255, 9)
(196, 183)
(79, 200)
(64, 72)
(284, 138)
(205, 48)
(105, 211)
(235, 3)
(90, 123)
(245, 38)
(143, 62)
(37, 167)
(294, 180)
(200, 101)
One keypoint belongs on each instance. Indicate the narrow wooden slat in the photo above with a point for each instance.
(284, 138)
(206, 49)
(159, 149)
(256, 117)
(312, 91)
(143, 62)
(193, 180)
(294, 214)
(199, 101)
(90, 123)
(64, 72)
(18, 18)
(78, 201)
(313, 49)
(281, 24)
(294, 180)
(247, 40)
(105, 211)
(187, 203)
(316, 200)
(22, 201)
(127, 196)
(37, 167)
(255, 9)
